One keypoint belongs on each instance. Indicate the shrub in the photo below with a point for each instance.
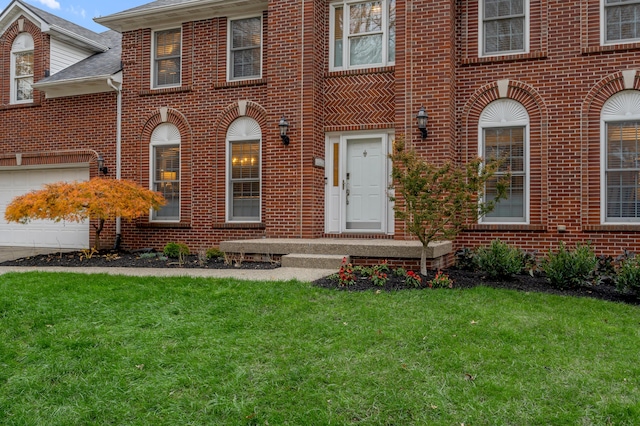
(628, 279)
(176, 250)
(465, 259)
(214, 253)
(499, 260)
(570, 268)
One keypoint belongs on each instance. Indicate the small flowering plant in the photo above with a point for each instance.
(441, 280)
(414, 279)
(379, 278)
(346, 275)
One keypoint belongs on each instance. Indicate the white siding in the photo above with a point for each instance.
(64, 55)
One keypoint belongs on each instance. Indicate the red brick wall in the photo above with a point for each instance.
(563, 83)
(54, 131)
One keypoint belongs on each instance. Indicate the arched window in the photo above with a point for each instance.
(165, 170)
(620, 158)
(244, 138)
(22, 69)
(504, 134)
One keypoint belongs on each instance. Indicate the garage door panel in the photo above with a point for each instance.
(40, 233)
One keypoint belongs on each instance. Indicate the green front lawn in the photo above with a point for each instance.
(78, 350)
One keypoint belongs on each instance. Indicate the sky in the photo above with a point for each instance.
(82, 12)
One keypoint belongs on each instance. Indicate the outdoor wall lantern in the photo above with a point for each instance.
(101, 167)
(284, 126)
(422, 118)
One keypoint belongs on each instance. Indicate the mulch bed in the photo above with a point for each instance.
(461, 278)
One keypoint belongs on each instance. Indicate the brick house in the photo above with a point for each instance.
(551, 86)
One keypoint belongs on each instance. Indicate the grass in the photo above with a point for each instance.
(77, 350)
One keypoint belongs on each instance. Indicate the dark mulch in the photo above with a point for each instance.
(461, 278)
(131, 260)
(470, 279)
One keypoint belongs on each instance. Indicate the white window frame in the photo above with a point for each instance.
(20, 47)
(508, 113)
(345, 4)
(527, 26)
(154, 82)
(171, 137)
(243, 129)
(603, 24)
(621, 107)
(230, 70)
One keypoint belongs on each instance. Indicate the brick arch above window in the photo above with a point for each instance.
(529, 100)
(240, 109)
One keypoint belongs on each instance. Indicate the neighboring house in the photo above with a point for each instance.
(552, 88)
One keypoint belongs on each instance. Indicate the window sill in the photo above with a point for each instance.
(239, 225)
(611, 48)
(612, 228)
(21, 105)
(165, 91)
(505, 227)
(540, 54)
(240, 83)
(361, 71)
(162, 225)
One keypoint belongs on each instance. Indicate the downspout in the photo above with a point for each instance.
(118, 90)
(302, 53)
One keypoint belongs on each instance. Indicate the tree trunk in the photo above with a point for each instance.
(98, 231)
(423, 260)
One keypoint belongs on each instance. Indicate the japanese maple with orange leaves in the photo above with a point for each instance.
(98, 198)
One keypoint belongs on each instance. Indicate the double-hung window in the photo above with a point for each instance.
(165, 170)
(621, 19)
(503, 26)
(243, 170)
(503, 137)
(166, 58)
(245, 48)
(22, 69)
(362, 34)
(621, 158)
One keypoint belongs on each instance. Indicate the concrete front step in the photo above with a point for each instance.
(313, 261)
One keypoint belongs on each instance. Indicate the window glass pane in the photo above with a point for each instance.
(245, 50)
(168, 43)
(24, 64)
(167, 180)
(245, 180)
(24, 91)
(366, 50)
(338, 34)
(167, 57)
(246, 63)
(622, 22)
(623, 169)
(365, 17)
(507, 145)
(245, 33)
(503, 8)
(504, 35)
(168, 72)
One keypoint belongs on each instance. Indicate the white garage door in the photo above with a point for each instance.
(40, 233)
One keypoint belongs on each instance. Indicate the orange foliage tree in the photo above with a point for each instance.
(98, 199)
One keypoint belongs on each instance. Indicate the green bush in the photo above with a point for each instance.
(570, 268)
(176, 250)
(499, 260)
(628, 278)
(214, 253)
(465, 259)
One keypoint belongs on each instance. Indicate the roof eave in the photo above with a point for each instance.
(177, 13)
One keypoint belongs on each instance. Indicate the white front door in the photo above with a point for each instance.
(357, 176)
